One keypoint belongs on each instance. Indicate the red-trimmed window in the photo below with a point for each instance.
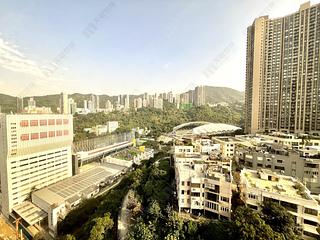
(24, 137)
(66, 132)
(59, 121)
(34, 123)
(65, 121)
(24, 123)
(51, 121)
(43, 135)
(34, 136)
(52, 134)
(59, 133)
(43, 122)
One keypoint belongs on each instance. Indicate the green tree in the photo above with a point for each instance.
(102, 224)
(140, 231)
(69, 237)
(174, 225)
(221, 230)
(250, 225)
(280, 220)
(154, 211)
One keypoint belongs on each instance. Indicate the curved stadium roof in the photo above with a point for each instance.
(214, 128)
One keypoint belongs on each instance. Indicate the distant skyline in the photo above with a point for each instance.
(121, 46)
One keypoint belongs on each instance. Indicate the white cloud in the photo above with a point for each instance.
(12, 59)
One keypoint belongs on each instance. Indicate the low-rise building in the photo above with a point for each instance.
(58, 199)
(112, 126)
(99, 130)
(227, 144)
(303, 164)
(264, 185)
(203, 183)
(293, 141)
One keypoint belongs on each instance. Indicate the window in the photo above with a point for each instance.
(309, 234)
(43, 122)
(182, 183)
(51, 122)
(43, 135)
(195, 194)
(59, 121)
(224, 209)
(34, 136)
(279, 161)
(252, 196)
(212, 197)
(311, 211)
(24, 137)
(182, 191)
(224, 199)
(195, 185)
(24, 123)
(34, 123)
(65, 121)
(66, 132)
(59, 133)
(306, 221)
(52, 134)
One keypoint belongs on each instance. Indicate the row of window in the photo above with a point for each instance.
(41, 135)
(43, 122)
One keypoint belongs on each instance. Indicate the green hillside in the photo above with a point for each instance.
(223, 94)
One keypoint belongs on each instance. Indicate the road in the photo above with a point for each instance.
(123, 219)
(106, 189)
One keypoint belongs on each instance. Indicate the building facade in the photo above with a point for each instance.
(203, 182)
(282, 73)
(263, 186)
(35, 152)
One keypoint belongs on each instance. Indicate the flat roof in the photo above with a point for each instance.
(30, 212)
(283, 185)
(71, 188)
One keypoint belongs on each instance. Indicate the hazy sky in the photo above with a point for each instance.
(126, 46)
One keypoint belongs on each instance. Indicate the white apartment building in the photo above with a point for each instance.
(264, 185)
(227, 144)
(206, 146)
(203, 184)
(292, 141)
(35, 152)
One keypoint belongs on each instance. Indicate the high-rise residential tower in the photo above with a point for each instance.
(282, 73)
(199, 96)
(64, 103)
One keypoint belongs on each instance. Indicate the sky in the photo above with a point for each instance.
(126, 46)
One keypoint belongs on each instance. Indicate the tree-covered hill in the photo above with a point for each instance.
(159, 121)
(223, 94)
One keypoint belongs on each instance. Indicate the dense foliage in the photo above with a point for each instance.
(159, 121)
(91, 217)
(155, 217)
(81, 220)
